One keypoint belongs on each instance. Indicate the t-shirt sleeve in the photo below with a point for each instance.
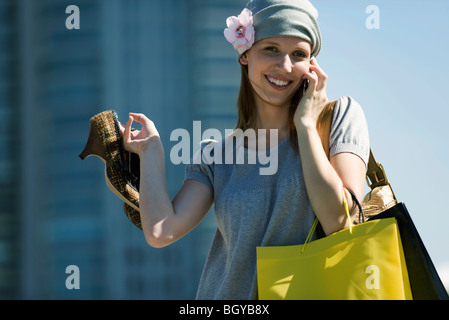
(349, 130)
(200, 168)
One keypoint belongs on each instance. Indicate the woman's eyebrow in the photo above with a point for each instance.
(265, 42)
(296, 46)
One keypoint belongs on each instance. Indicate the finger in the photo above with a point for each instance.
(134, 133)
(148, 126)
(322, 76)
(320, 72)
(127, 131)
(139, 117)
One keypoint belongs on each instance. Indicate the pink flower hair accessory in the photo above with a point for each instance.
(240, 31)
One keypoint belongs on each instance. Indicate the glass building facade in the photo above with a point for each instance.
(10, 154)
(165, 58)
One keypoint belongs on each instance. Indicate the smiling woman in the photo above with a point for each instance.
(275, 40)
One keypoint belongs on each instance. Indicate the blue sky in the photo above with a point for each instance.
(398, 73)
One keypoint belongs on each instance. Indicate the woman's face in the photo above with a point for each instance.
(276, 67)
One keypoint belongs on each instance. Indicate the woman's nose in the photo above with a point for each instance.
(285, 63)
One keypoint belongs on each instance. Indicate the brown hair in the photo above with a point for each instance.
(247, 107)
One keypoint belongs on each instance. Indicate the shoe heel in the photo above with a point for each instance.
(94, 145)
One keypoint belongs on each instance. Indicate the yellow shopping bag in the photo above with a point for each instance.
(365, 261)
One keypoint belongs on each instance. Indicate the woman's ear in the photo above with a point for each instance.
(244, 59)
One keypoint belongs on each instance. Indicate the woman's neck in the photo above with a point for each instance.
(273, 117)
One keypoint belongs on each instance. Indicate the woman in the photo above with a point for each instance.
(276, 40)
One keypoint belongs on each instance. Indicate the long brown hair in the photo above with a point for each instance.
(247, 112)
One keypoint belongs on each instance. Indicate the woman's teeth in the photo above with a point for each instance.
(278, 82)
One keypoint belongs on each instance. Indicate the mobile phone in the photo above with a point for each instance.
(305, 85)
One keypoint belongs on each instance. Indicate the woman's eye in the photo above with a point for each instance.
(271, 49)
(299, 54)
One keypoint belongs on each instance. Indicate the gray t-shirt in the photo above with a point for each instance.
(264, 210)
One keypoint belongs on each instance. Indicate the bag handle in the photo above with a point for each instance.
(359, 205)
(345, 203)
(375, 175)
(323, 125)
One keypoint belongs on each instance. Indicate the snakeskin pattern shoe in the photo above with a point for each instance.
(122, 170)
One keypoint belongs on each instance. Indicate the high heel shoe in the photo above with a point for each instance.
(133, 215)
(122, 170)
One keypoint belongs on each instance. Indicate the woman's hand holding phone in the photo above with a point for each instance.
(314, 97)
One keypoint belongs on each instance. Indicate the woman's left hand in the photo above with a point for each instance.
(314, 98)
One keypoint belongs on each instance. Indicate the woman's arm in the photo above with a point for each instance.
(163, 221)
(325, 179)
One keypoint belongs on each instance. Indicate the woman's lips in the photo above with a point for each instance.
(278, 83)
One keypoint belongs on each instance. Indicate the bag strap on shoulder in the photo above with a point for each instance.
(375, 174)
(323, 125)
